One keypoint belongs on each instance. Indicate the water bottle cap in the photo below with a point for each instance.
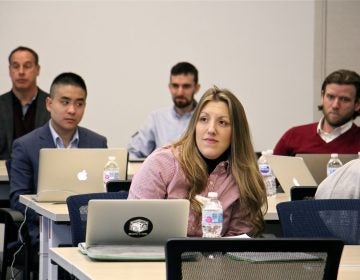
(112, 158)
(334, 155)
(213, 194)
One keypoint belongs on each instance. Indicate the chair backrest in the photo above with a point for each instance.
(118, 186)
(327, 218)
(252, 259)
(77, 206)
(302, 192)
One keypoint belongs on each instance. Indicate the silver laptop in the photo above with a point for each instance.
(291, 171)
(317, 163)
(133, 229)
(65, 172)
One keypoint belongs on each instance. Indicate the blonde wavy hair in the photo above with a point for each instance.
(243, 164)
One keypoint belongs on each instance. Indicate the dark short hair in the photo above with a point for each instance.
(22, 48)
(185, 68)
(343, 77)
(68, 78)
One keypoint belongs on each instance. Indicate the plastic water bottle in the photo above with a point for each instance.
(333, 164)
(212, 216)
(111, 171)
(266, 172)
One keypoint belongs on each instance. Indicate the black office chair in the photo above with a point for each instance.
(327, 218)
(77, 206)
(302, 192)
(12, 219)
(252, 259)
(118, 186)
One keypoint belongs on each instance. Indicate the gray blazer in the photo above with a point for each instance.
(7, 120)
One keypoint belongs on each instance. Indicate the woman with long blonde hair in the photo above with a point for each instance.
(215, 154)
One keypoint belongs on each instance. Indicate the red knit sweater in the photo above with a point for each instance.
(305, 140)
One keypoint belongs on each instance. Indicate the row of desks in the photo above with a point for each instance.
(83, 268)
(55, 229)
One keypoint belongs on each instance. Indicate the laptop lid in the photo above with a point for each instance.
(290, 171)
(317, 163)
(65, 172)
(136, 222)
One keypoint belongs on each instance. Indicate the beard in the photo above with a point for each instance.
(338, 121)
(182, 102)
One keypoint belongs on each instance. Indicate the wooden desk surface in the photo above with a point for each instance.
(58, 211)
(83, 268)
(133, 167)
(3, 171)
(272, 202)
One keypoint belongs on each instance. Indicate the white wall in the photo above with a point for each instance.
(261, 50)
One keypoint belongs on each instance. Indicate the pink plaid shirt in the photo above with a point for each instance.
(160, 176)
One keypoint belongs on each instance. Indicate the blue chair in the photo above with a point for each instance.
(77, 206)
(252, 259)
(323, 218)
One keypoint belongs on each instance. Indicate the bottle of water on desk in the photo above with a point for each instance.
(212, 216)
(266, 172)
(333, 164)
(111, 171)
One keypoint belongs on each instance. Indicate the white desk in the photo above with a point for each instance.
(55, 229)
(3, 172)
(83, 268)
(272, 202)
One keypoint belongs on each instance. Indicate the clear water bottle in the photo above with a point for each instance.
(212, 216)
(333, 164)
(111, 171)
(266, 172)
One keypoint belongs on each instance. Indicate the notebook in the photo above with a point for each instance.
(65, 172)
(133, 229)
(290, 171)
(317, 163)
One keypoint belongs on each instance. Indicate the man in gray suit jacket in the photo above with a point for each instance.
(66, 105)
(23, 108)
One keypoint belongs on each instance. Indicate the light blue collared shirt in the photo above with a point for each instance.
(59, 142)
(160, 128)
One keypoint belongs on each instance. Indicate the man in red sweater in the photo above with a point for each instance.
(336, 131)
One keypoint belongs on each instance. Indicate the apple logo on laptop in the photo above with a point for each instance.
(82, 175)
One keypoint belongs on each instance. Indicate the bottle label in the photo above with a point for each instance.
(331, 170)
(212, 217)
(265, 169)
(110, 175)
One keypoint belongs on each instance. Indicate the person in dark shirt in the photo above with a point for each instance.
(22, 109)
